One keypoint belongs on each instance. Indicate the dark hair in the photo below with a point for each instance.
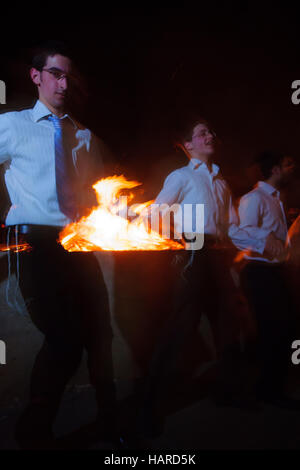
(185, 130)
(267, 160)
(46, 49)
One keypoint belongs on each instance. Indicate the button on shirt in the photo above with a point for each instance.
(261, 212)
(27, 149)
(195, 184)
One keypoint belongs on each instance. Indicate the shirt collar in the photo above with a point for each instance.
(40, 111)
(268, 188)
(195, 164)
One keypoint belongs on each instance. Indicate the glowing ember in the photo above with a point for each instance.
(107, 227)
(20, 247)
(12, 240)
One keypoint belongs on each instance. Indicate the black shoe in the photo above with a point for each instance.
(142, 431)
(149, 426)
(37, 442)
(89, 435)
(33, 430)
(134, 441)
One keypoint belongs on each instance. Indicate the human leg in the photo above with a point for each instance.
(44, 285)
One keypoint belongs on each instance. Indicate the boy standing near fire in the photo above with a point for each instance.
(206, 284)
(50, 162)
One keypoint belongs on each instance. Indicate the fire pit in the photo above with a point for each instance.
(113, 226)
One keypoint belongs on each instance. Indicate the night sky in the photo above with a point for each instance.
(145, 67)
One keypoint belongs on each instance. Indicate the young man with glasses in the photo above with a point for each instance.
(50, 163)
(205, 284)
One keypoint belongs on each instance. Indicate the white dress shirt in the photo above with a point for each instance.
(27, 149)
(261, 212)
(195, 184)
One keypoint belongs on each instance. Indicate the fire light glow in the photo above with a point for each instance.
(104, 229)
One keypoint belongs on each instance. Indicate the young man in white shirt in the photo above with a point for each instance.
(50, 163)
(205, 284)
(262, 217)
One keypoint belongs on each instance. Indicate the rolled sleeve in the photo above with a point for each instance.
(249, 235)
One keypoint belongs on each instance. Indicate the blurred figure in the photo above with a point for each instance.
(293, 264)
(294, 242)
(263, 277)
(51, 162)
(204, 284)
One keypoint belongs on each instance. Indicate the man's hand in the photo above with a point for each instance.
(274, 248)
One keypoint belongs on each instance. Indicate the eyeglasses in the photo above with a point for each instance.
(205, 133)
(58, 75)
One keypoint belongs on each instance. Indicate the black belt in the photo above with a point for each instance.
(211, 241)
(30, 233)
(34, 229)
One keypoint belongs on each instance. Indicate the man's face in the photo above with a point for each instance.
(52, 81)
(285, 170)
(202, 143)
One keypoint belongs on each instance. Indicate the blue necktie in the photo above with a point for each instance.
(63, 169)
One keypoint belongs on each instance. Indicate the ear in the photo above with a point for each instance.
(188, 145)
(35, 76)
(276, 170)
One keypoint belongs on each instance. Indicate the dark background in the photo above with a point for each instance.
(144, 67)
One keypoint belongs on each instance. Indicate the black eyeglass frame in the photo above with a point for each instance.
(59, 75)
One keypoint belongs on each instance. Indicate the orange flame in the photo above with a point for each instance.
(105, 229)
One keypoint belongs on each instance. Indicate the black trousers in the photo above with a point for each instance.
(67, 300)
(205, 286)
(268, 294)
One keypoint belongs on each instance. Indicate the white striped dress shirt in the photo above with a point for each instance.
(27, 149)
